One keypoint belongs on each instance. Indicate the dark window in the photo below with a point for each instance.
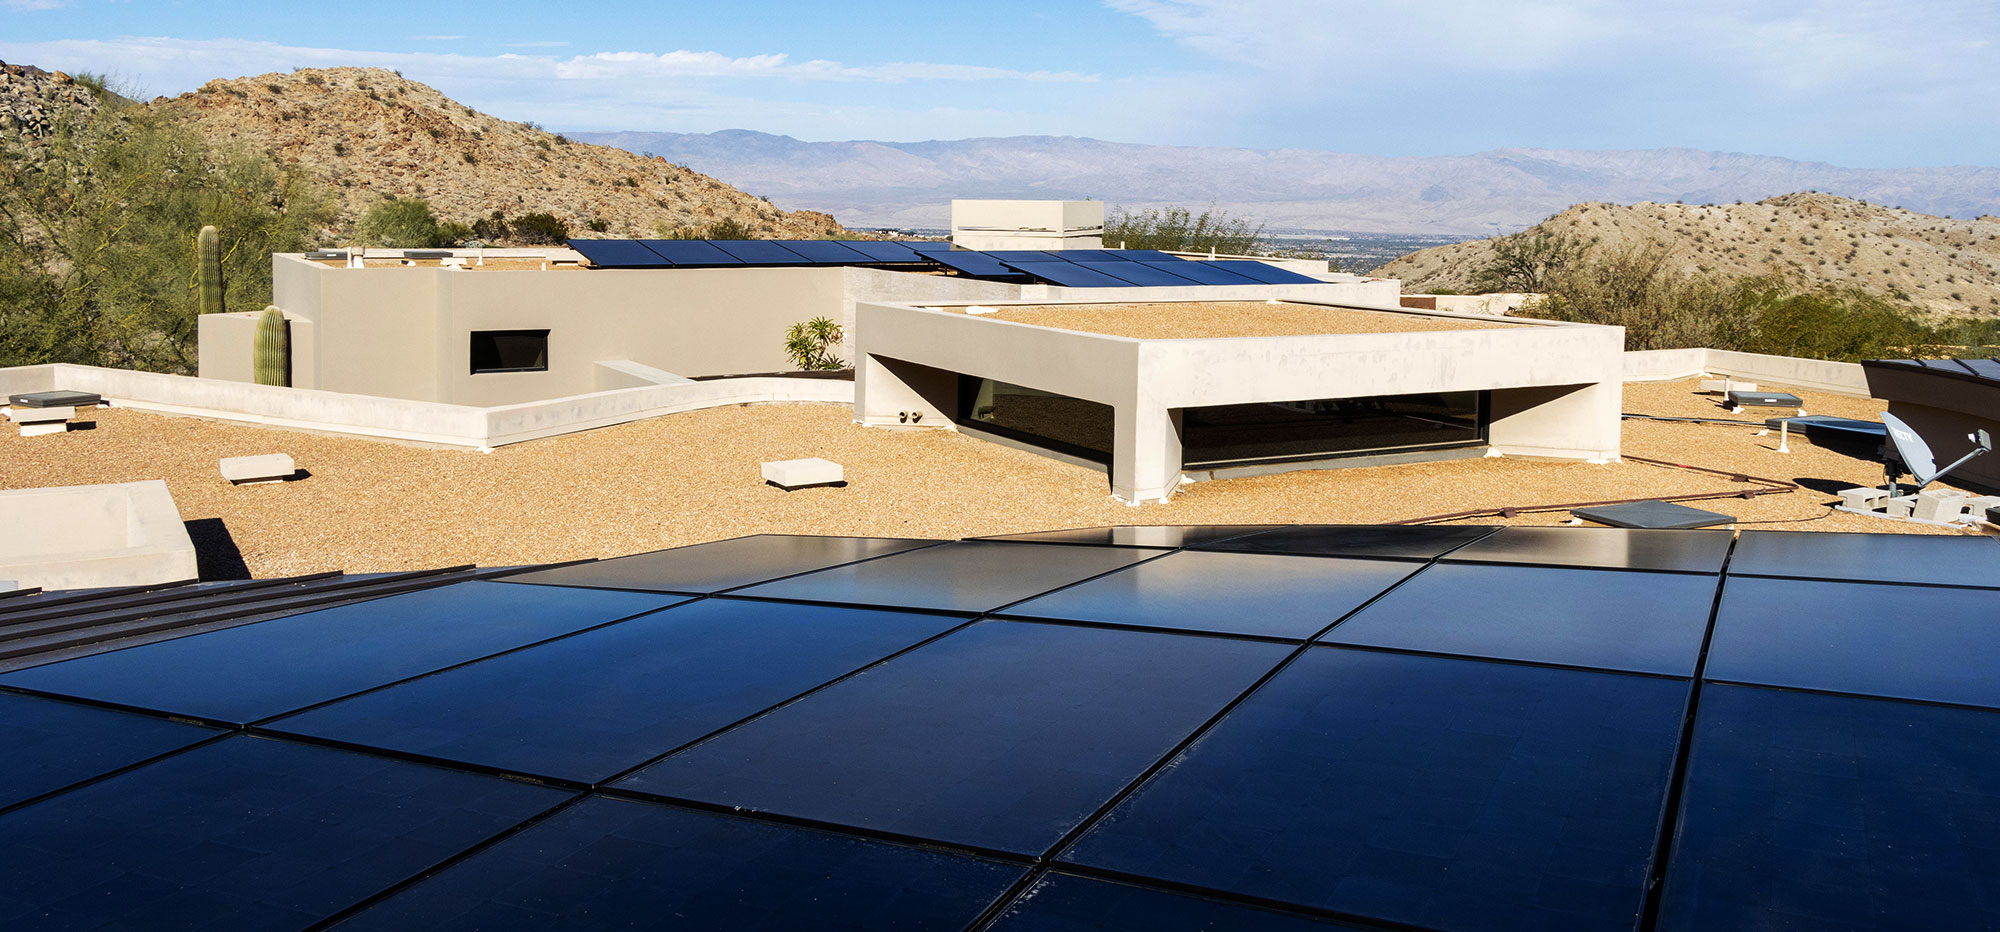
(510, 351)
(1057, 422)
(1228, 435)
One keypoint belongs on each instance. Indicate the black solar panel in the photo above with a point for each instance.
(1202, 272)
(1147, 274)
(1069, 274)
(1067, 903)
(691, 252)
(1543, 615)
(49, 744)
(1011, 256)
(1262, 273)
(1357, 540)
(971, 263)
(257, 671)
(1490, 743)
(618, 254)
(882, 252)
(760, 252)
(247, 834)
(1445, 794)
(1908, 558)
(618, 864)
(1000, 737)
(1826, 812)
(589, 707)
(1231, 593)
(1610, 548)
(1088, 256)
(723, 564)
(969, 576)
(1143, 255)
(825, 252)
(1910, 642)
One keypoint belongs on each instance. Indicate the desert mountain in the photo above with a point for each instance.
(369, 134)
(1947, 266)
(911, 184)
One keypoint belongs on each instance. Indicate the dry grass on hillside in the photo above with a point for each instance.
(693, 477)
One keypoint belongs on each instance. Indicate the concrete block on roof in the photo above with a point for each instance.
(803, 473)
(1941, 505)
(270, 467)
(94, 536)
(1717, 386)
(1862, 499)
(36, 422)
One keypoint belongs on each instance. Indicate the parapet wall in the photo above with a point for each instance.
(1844, 378)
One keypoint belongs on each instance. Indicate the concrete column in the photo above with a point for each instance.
(1146, 452)
(1560, 421)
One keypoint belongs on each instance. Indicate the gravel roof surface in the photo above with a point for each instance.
(686, 478)
(1190, 320)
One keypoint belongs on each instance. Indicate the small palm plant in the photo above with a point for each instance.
(810, 344)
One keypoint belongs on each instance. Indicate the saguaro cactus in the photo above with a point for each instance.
(273, 362)
(208, 265)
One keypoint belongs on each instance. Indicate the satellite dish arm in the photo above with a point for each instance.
(1982, 444)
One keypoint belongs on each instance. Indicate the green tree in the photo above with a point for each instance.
(540, 229)
(1182, 230)
(97, 236)
(406, 223)
(1527, 262)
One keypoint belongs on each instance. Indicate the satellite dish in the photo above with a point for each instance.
(1916, 456)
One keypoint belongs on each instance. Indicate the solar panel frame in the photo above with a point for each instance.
(716, 566)
(1069, 274)
(1088, 256)
(1143, 255)
(619, 254)
(1203, 273)
(885, 252)
(1146, 275)
(760, 252)
(50, 744)
(691, 253)
(971, 263)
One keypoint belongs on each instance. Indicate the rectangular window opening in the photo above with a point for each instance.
(1071, 426)
(1221, 436)
(510, 351)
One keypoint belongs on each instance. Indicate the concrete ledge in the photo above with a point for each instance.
(94, 536)
(1841, 378)
(414, 421)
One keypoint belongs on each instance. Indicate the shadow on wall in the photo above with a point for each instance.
(215, 553)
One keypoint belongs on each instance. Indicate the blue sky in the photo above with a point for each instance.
(1863, 84)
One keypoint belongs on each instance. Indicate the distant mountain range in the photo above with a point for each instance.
(910, 184)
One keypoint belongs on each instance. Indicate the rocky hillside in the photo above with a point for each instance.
(1948, 266)
(369, 134)
(33, 102)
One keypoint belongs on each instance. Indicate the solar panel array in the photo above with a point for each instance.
(1076, 268)
(1442, 728)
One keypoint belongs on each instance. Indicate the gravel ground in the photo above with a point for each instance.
(686, 478)
(1208, 320)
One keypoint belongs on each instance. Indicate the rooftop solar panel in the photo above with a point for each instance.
(1002, 737)
(1907, 558)
(1907, 642)
(1167, 536)
(1825, 812)
(760, 252)
(1204, 273)
(609, 864)
(825, 251)
(883, 252)
(1265, 274)
(1069, 274)
(1062, 902)
(1088, 256)
(1354, 540)
(693, 253)
(971, 263)
(1011, 256)
(618, 254)
(1438, 793)
(246, 834)
(1143, 255)
(1147, 274)
(589, 707)
(51, 744)
(1609, 548)
(969, 576)
(1543, 615)
(1231, 593)
(253, 672)
(724, 564)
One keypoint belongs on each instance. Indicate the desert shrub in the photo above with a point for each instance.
(810, 344)
(399, 222)
(1182, 230)
(453, 233)
(540, 229)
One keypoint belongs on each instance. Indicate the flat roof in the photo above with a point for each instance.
(1199, 320)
